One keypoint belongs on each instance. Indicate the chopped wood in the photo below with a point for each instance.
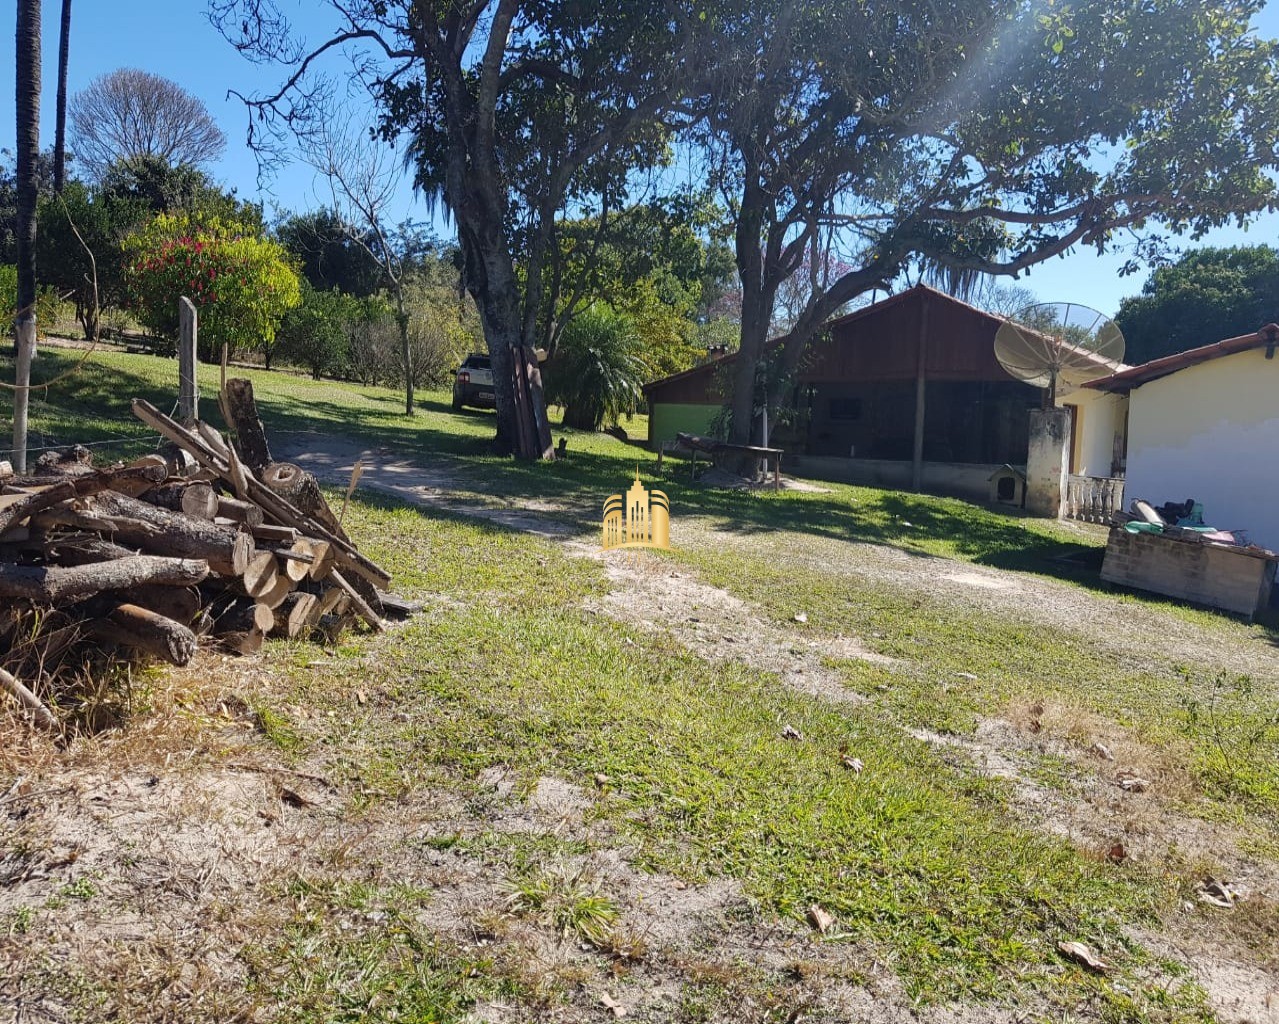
(17, 507)
(241, 512)
(6, 469)
(331, 627)
(276, 507)
(213, 438)
(298, 559)
(144, 630)
(301, 490)
(193, 498)
(321, 559)
(245, 643)
(40, 714)
(334, 601)
(162, 532)
(182, 604)
(276, 595)
(49, 584)
(84, 549)
(154, 459)
(241, 411)
(271, 532)
(396, 607)
(361, 606)
(245, 617)
(260, 574)
(297, 615)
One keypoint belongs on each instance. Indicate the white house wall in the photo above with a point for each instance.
(1098, 418)
(1211, 432)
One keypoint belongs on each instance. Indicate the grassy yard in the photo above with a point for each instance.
(946, 883)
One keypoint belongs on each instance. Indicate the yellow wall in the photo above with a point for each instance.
(1211, 432)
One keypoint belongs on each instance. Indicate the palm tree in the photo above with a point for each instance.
(60, 132)
(28, 151)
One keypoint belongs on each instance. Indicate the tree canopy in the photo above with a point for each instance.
(129, 113)
(975, 138)
(1207, 295)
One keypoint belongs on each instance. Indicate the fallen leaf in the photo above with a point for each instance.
(1102, 751)
(1117, 853)
(1035, 725)
(1132, 783)
(361, 697)
(601, 779)
(801, 616)
(1082, 955)
(820, 919)
(789, 732)
(853, 764)
(618, 1009)
(966, 675)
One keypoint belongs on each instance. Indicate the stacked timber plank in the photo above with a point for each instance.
(174, 551)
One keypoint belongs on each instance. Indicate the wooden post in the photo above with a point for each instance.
(188, 394)
(917, 460)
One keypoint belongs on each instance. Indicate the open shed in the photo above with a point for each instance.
(903, 393)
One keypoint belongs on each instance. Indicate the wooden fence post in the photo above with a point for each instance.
(188, 393)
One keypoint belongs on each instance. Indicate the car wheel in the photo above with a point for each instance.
(457, 402)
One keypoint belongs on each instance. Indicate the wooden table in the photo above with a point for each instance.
(695, 445)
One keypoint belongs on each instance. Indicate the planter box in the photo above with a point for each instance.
(1233, 579)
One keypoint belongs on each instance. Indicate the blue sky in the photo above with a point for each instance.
(174, 39)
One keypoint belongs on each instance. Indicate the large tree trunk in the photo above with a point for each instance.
(60, 131)
(27, 41)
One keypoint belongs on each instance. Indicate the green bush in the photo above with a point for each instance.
(314, 333)
(48, 306)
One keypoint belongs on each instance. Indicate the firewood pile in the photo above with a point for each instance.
(207, 543)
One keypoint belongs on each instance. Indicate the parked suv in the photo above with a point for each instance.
(473, 384)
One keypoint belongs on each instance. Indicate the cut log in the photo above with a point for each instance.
(361, 606)
(301, 490)
(181, 604)
(331, 627)
(397, 607)
(246, 643)
(193, 498)
(245, 617)
(242, 413)
(178, 461)
(297, 561)
(240, 511)
(153, 459)
(260, 574)
(322, 555)
(276, 595)
(40, 714)
(296, 615)
(84, 550)
(143, 630)
(6, 469)
(162, 532)
(214, 440)
(16, 507)
(272, 504)
(274, 534)
(49, 584)
(334, 601)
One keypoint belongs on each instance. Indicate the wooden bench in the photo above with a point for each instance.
(691, 444)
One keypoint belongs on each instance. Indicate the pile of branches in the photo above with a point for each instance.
(192, 546)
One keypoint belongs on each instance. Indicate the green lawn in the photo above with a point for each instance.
(925, 864)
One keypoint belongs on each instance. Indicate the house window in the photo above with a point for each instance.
(847, 409)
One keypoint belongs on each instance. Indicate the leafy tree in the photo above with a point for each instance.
(176, 188)
(80, 247)
(597, 373)
(1207, 295)
(241, 283)
(43, 174)
(328, 254)
(973, 138)
(515, 111)
(130, 114)
(314, 332)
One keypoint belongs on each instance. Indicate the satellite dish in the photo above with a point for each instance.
(1059, 342)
